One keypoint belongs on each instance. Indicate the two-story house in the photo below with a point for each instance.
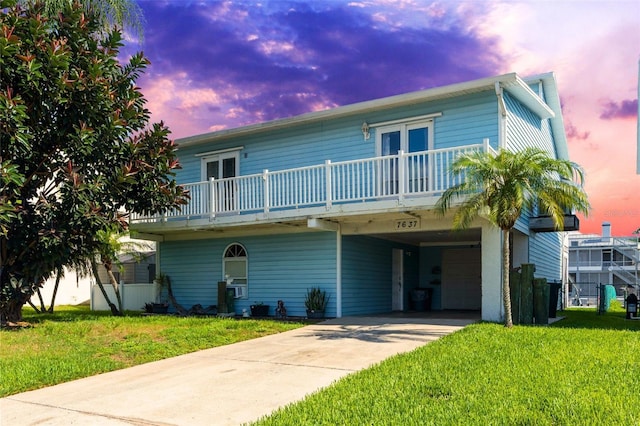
(344, 199)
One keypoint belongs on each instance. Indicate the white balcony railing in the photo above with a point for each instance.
(372, 179)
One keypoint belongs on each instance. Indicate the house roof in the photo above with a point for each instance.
(511, 82)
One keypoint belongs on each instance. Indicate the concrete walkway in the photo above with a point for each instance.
(228, 385)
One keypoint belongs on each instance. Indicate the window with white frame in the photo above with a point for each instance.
(408, 137)
(411, 137)
(222, 165)
(235, 268)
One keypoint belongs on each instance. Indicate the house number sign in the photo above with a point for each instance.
(407, 224)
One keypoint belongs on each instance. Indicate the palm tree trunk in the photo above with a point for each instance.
(114, 308)
(55, 290)
(43, 308)
(506, 292)
(116, 287)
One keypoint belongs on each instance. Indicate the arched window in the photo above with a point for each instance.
(235, 266)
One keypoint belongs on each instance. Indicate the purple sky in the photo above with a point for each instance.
(217, 65)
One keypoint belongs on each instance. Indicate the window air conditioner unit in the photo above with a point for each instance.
(239, 292)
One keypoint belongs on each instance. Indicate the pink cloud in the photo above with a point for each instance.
(573, 133)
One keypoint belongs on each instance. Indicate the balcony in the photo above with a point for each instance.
(388, 183)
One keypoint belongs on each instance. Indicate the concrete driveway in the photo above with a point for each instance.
(228, 385)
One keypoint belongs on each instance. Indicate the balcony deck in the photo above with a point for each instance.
(406, 181)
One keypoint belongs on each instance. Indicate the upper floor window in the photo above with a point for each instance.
(235, 267)
(408, 137)
(220, 164)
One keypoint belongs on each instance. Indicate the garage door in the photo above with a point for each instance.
(461, 279)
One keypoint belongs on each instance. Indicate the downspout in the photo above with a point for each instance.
(339, 271)
(502, 108)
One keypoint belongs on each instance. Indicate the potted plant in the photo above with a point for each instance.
(259, 309)
(159, 305)
(316, 302)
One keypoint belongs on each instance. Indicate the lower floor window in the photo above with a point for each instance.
(234, 269)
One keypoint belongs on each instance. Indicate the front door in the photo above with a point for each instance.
(221, 167)
(397, 280)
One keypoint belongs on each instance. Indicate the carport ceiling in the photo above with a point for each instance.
(443, 237)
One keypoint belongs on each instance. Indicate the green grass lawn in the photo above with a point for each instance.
(582, 370)
(76, 342)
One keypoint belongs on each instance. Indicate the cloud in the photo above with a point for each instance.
(624, 109)
(284, 59)
(574, 133)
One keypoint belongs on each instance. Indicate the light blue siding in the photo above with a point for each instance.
(366, 274)
(468, 121)
(545, 251)
(526, 129)
(281, 267)
(464, 121)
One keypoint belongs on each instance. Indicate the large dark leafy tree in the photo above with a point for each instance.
(500, 187)
(76, 150)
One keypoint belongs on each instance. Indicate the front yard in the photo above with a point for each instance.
(584, 369)
(75, 343)
(566, 374)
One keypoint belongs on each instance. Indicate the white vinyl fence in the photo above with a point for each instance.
(133, 296)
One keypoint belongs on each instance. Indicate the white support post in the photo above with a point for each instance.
(401, 175)
(265, 191)
(212, 198)
(485, 144)
(328, 183)
(492, 308)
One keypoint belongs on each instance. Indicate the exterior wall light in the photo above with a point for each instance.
(365, 131)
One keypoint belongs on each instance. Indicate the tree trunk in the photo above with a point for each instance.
(55, 290)
(35, 308)
(115, 285)
(11, 311)
(506, 292)
(114, 308)
(42, 307)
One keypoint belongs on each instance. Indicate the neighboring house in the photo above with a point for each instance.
(140, 268)
(75, 289)
(344, 199)
(595, 260)
(135, 275)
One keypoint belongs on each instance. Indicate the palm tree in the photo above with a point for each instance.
(501, 186)
(125, 13)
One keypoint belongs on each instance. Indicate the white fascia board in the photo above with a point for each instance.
(521, 90)
(552, 98)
